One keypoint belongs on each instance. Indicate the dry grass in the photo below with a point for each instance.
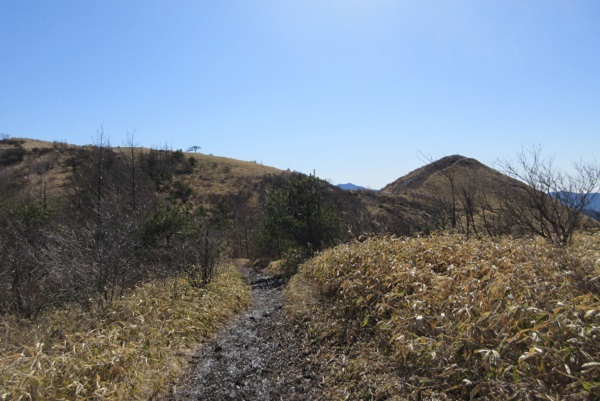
(134, 348)
(212, 176)
(443, 317)
(44, 168)
(30, 144)
(215, 175)
(433, 178)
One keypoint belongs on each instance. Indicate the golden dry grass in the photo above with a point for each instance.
(30, 144)
(44, 168)
(212, 175)
(443, 317)
(215, 175)
(134, 348)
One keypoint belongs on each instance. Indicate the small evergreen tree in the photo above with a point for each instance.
(298, 213)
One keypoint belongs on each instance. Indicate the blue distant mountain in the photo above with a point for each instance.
(592, 209)
(594, 203)
(351, 187)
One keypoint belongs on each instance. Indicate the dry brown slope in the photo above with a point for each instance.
(436, 176)
(47, 163)
(226, 176)
(421, 196)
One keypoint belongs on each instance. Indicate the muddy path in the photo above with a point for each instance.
(257, 356)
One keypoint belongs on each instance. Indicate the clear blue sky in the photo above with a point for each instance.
(354, 89)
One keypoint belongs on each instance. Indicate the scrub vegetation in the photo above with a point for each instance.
(446, 317)
(455, 281)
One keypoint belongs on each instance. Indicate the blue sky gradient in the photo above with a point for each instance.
(356, 90)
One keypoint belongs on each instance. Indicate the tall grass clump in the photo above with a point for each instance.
(132, 348)
(443, 317)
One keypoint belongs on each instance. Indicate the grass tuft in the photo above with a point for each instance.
(134, 348)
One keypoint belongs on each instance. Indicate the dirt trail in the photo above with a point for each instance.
(257, 356)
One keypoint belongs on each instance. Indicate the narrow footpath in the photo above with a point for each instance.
(257, 356)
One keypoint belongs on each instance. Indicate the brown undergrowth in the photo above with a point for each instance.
(446, 317)
(133, 348)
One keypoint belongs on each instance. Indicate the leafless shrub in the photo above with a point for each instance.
(546, 200)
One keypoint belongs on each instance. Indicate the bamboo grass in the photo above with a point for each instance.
(446, 317)
(134, 348)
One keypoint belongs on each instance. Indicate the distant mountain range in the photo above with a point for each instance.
(594, 199)
(593, 208)
(351, 187)
(595, 203)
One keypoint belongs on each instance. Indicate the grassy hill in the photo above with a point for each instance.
(436, 186)
(435, 177)
(464, 195)
(425, 199)
(454, 192)
(206, 175)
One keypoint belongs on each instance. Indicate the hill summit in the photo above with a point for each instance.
(455, 164)
(455, 192)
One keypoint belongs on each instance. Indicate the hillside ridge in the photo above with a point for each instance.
(416, 178)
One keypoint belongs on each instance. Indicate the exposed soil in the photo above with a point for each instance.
(257, 356)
